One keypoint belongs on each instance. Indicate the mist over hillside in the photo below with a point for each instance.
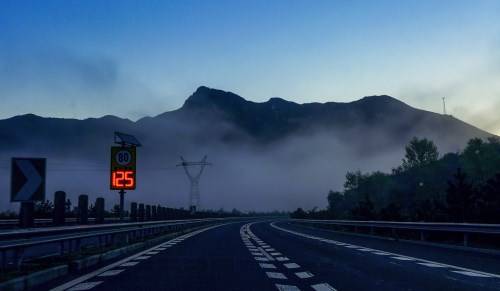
(272, 155)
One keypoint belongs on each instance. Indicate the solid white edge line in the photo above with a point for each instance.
(413, 258)
(108, 267)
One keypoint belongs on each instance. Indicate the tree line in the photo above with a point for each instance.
(457, 187)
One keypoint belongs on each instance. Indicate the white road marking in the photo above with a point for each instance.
(85, 286)
(403, 258)
(143, 257)
(304, 275)
(287, 287)
(77, 281)
(257, 254)
(378, 252)
(276, 275)
(268, 256)
(365, 250)
(129, 264)
(152, 253)
(432, 265)
(291, 266)
(323, 287)
(267, 266)
(282, 259)
(110, 273)
(472, 274)
(262, 259)
(352, 247)
(381, 254)
(275, 254)
(160, 249)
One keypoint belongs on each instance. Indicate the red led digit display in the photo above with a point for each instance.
(122, 179)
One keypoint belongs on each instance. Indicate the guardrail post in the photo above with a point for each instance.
(141, 212)
(27, 215)
(99, 210)
(133, 212)
(83, 209)
(154, 215)
(59, 213)
(422, 235)
(148, 212)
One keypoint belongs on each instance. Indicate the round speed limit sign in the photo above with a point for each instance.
(123, 157)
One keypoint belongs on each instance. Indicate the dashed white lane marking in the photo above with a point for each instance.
(282, 259)
(463, 271)
(275, 254)
(262, 259)
(323, 287)
(257, 254)
(304, 275)
(160, 249)
(143, 257)
(268, 256)
(110, 273)
(432, 265)
(267, 266)
(291, 266)
(472, 274)
(276, 275)
(129, 264)
(85, 286)
(152, 253)
(287, 287)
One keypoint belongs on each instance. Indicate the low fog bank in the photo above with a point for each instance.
(295, 171)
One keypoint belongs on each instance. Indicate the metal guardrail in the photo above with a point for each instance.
(422, 227)
(69, 238)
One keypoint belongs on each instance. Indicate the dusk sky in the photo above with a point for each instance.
(80, 59)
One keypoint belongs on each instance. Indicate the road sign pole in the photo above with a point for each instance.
(122, 197)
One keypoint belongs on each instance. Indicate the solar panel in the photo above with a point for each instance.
(126, 139)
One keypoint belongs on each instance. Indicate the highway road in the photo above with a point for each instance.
(278, 256)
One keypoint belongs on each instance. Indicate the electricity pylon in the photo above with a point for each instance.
(194, 189)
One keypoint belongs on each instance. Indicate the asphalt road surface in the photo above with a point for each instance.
(278, 256)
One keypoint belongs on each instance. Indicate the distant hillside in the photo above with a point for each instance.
(211, 115)
(271, 155)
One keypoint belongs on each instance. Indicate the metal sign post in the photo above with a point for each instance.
(123, 166)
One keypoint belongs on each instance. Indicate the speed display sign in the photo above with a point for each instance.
(122, 168)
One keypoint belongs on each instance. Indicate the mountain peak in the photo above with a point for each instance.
(205, 97)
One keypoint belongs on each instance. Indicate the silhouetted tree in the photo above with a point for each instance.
(391, 212)
(298, 214)
(489, 200)
(460, 198)
(419, 152)
(365, 210)
(44, 209)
